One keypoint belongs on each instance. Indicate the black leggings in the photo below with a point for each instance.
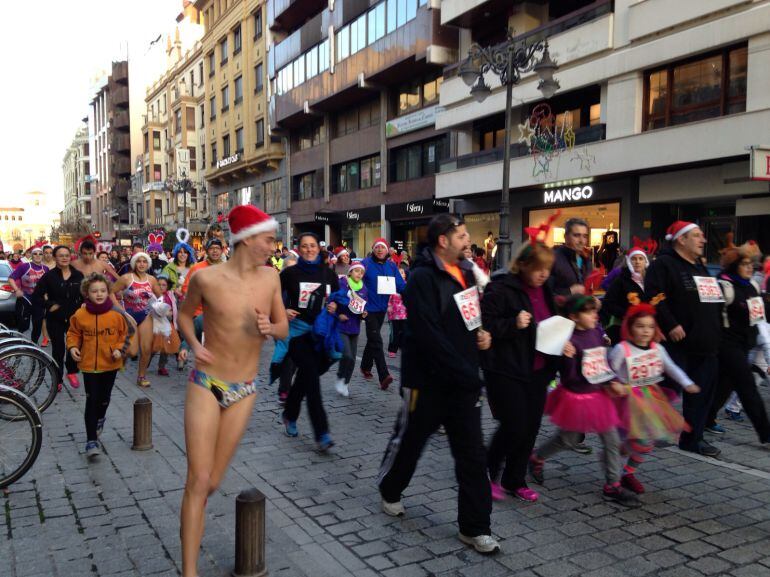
(57, 331)
(310, 366)
(396, 335)
(98, 391)
(26, 313)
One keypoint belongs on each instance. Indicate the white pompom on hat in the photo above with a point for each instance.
(247, 220)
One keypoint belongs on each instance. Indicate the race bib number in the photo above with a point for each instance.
(306, 289)
(756, 310)
(709, 290)
(645, 368)
(595, 367)
(357, 304)
(468, 305)
(386, 285)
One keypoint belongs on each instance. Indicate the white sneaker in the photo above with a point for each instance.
(393, 509)
(484, 544)
(342, 388)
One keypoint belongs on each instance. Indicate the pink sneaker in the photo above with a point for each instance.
(73, 380)
(498, 493)
(526, 494)
(392, 355)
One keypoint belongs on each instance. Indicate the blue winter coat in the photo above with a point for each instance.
(377, 303)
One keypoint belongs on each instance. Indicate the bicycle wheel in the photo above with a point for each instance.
(20, 438)
(32, 371)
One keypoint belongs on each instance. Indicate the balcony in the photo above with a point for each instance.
(121, 142)
(122, 188)
(120, 72)
(288, 14)
(119, 96)
(121, 165)
(121, 119)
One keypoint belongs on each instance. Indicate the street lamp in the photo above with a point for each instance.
(508, 61)
(181, 185)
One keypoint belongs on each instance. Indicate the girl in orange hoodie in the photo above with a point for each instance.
(97, 339)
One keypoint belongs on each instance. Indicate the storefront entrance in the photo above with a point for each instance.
(600, 218)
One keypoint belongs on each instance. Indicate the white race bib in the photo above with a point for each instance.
(468, 305)
(709, 290)
(645, 368)
(595, 367)
(756, 310)
(386, 285)
(305, 290)
(357, 304)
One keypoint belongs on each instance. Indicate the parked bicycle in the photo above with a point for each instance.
(21, 435)
(27, 368)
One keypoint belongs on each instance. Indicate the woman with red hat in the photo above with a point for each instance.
(343, 261)
(629, 282)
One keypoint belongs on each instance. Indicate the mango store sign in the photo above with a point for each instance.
(569, 194)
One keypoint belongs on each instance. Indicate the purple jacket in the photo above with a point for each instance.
(352, 326)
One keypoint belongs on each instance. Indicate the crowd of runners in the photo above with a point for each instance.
(605, 348)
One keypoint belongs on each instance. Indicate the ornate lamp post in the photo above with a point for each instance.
(508, 60)
(180, 186)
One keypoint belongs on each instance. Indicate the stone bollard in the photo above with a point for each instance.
(142, 424)
(250, 534)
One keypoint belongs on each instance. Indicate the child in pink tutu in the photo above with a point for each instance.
(582, 403)
(646, 412)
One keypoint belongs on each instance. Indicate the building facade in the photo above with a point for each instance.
(658, 104)
(243, 156)
(76, 173)
(28, 222)
(109, 127)
(356, 94)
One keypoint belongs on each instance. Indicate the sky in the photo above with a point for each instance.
(52, 51)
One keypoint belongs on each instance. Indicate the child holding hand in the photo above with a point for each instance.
(97, 339)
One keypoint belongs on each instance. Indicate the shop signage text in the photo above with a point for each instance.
(760, 163)
(227, 161)
(352, 215)
(575, 193)
(411, 122)
(417, 208)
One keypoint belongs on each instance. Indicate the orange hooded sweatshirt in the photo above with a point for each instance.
(97, 336)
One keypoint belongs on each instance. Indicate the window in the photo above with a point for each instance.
(258, 24)
(409, 97)
(225, 146)
(272, 195)
(411, 9)
(418, 93)
(203, 115)
(418, 160)
(146, 142)
(258, 76)
(237, 40)
(226, 98)
(323, 56)
(595, 115)
(310, 135)
(299, 70)
(213, 154)
(238, 90)
(707, 87)
(157, 175)
(213, 107)
(223, 50)
(203, 156)
(308, 185)
(311, 62)
(430, 90)
(239, 141)
(358, 34)
(260, 126)
(155, 140)
(212, 64)
(401, 16)
(178, 121)
(357, 174)
(391, 15)
(343, 43)
(193, 160)
(200, 73)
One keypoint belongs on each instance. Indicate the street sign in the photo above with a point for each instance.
(182, 163)
(760, 162)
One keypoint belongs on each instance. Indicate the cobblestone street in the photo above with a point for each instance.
(119, 516)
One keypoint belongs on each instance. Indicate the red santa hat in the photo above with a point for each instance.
(247, 220)
(357, 263)
(679, 228)
(638, 250)
(379, 241)
(339, 251)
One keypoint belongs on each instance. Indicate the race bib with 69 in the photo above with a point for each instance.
(305, 290)
(756, 310)
(645, 368)
(709, 290)
(595, 367)
(468, 304)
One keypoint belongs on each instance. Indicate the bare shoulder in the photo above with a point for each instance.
(269, 274)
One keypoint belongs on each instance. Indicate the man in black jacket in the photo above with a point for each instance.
(440, 380)
(689, 318)
(570, 267)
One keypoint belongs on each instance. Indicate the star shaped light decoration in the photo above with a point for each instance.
(585, 158)
(526, 133)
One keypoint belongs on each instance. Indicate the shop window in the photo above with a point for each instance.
(600, 218)
(706, 87)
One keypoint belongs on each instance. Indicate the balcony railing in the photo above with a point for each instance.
(121, 119)
(121, 142)
(119, 96)
(122, 165)
(583, 135)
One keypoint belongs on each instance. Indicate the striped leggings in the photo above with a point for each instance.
(638, 449)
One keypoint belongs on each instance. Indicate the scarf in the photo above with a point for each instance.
(96, 309)
(737, 279)
(309, 266)
(356, 286)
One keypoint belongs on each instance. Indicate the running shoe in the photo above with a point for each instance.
(92, 449)
(385, 383)
(282, 396)
(45, 342)
(291, 428)
(498, 493)
(484, 544)
(163, 372)
(526, 494)
(99, 427)
(708, 450)
(630, 482)
(393, 509)
(367, 374)
(734, 415)
(342, 388)
(142, 381)
(325, 443)
(621, 495)
(391, 354)
(716, 429)
(535, 467)
(583, 449)
(73, 379)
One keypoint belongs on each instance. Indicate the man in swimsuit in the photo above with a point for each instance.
(87, 263)
(242, 306)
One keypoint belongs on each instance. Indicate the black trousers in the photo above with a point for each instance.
(420, 415)
(307, 384)
(518, 407)
(286, 374)
(98, 392)
(373, 351)
(396, 333)
(735, 375)
(703, 370)
(57, 331)
(32, 310)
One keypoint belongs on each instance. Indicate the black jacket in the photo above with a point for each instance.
(290, 286)
(672, 275)
(615, 301)
(438, 350)
(565, 271)
(512, 354)
(65, 293)
(739, 331)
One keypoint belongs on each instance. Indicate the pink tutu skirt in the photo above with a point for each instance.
(582, 413)
(646, 413)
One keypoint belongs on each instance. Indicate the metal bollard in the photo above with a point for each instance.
(250, 534)
(142, 425)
